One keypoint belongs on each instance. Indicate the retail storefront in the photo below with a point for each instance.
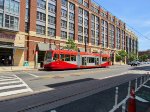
(11, 49)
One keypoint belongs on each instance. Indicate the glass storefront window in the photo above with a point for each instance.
(2, 4)
(1, 20)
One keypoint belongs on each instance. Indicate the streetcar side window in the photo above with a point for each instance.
(67, 57)
(48, 56)
(56, 57)
(73, 58)
(62, 57)
(104, 59)
(91, 60)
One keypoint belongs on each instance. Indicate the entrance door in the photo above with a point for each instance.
(6, 56)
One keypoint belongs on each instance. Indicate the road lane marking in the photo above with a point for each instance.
(31, 74)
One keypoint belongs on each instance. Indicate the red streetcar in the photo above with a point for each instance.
(65, 59)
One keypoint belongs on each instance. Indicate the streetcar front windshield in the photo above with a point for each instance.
(48, 57)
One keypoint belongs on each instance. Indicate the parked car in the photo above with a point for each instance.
(135, 63)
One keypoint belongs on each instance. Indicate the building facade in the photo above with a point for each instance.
(131, 42)
(30, 27)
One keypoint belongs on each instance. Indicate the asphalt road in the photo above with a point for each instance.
(63, 90)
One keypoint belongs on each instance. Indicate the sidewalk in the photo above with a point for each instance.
(16, 68)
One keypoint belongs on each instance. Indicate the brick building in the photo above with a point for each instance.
(30, 27)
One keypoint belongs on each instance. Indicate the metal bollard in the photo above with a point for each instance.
(124, 107)
(136, 84)
(116, 97)
(141, 81)
(129, 88)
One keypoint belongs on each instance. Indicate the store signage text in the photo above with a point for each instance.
(7, 36)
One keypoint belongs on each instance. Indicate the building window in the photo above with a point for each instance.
(64, 13)
(96, 10)
(93, 17)
(63, 24)
(71, 36)
(80, 11)
(71, 16)
(92, 8)
(41, 4)
(51, 20)
(80, 1)
(93, 25)
(86, 13)
(64, 3)
(41, 16)
(26, 27)
(93, 41)
(80, 29)
(80, 38)
(40, 29)
(11, 22)
(63, 35)
(97, 26)
(71, 26)
(93, 33)
(80, 19)
(27, 3)
(71, 6)
(97, 19)
(1, 4)
(85, 31)
(97, 35)
(85, 22)
(51, 8)
(51, 32)
(27, 13)
(12, 6)
(85, 4)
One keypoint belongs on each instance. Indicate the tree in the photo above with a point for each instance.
(143, 57)
(71, 45)
(121, 55)
(132, 57)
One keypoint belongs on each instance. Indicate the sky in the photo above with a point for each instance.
(136, 13)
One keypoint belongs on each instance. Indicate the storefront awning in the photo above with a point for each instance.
(12, 47)
(43, 47)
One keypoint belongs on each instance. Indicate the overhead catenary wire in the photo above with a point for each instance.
(145, 37)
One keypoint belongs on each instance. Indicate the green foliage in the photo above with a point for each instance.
(143, 57)
(71, 45)
(132, 57)
(121, 55)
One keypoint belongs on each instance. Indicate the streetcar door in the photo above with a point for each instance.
(84, 61)
(96, 61)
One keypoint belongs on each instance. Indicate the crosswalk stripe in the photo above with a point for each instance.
(10, 82)
(8, 76)
(7, 80)
(14, 92)
(12, 86)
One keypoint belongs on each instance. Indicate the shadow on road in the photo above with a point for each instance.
(143, 68)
